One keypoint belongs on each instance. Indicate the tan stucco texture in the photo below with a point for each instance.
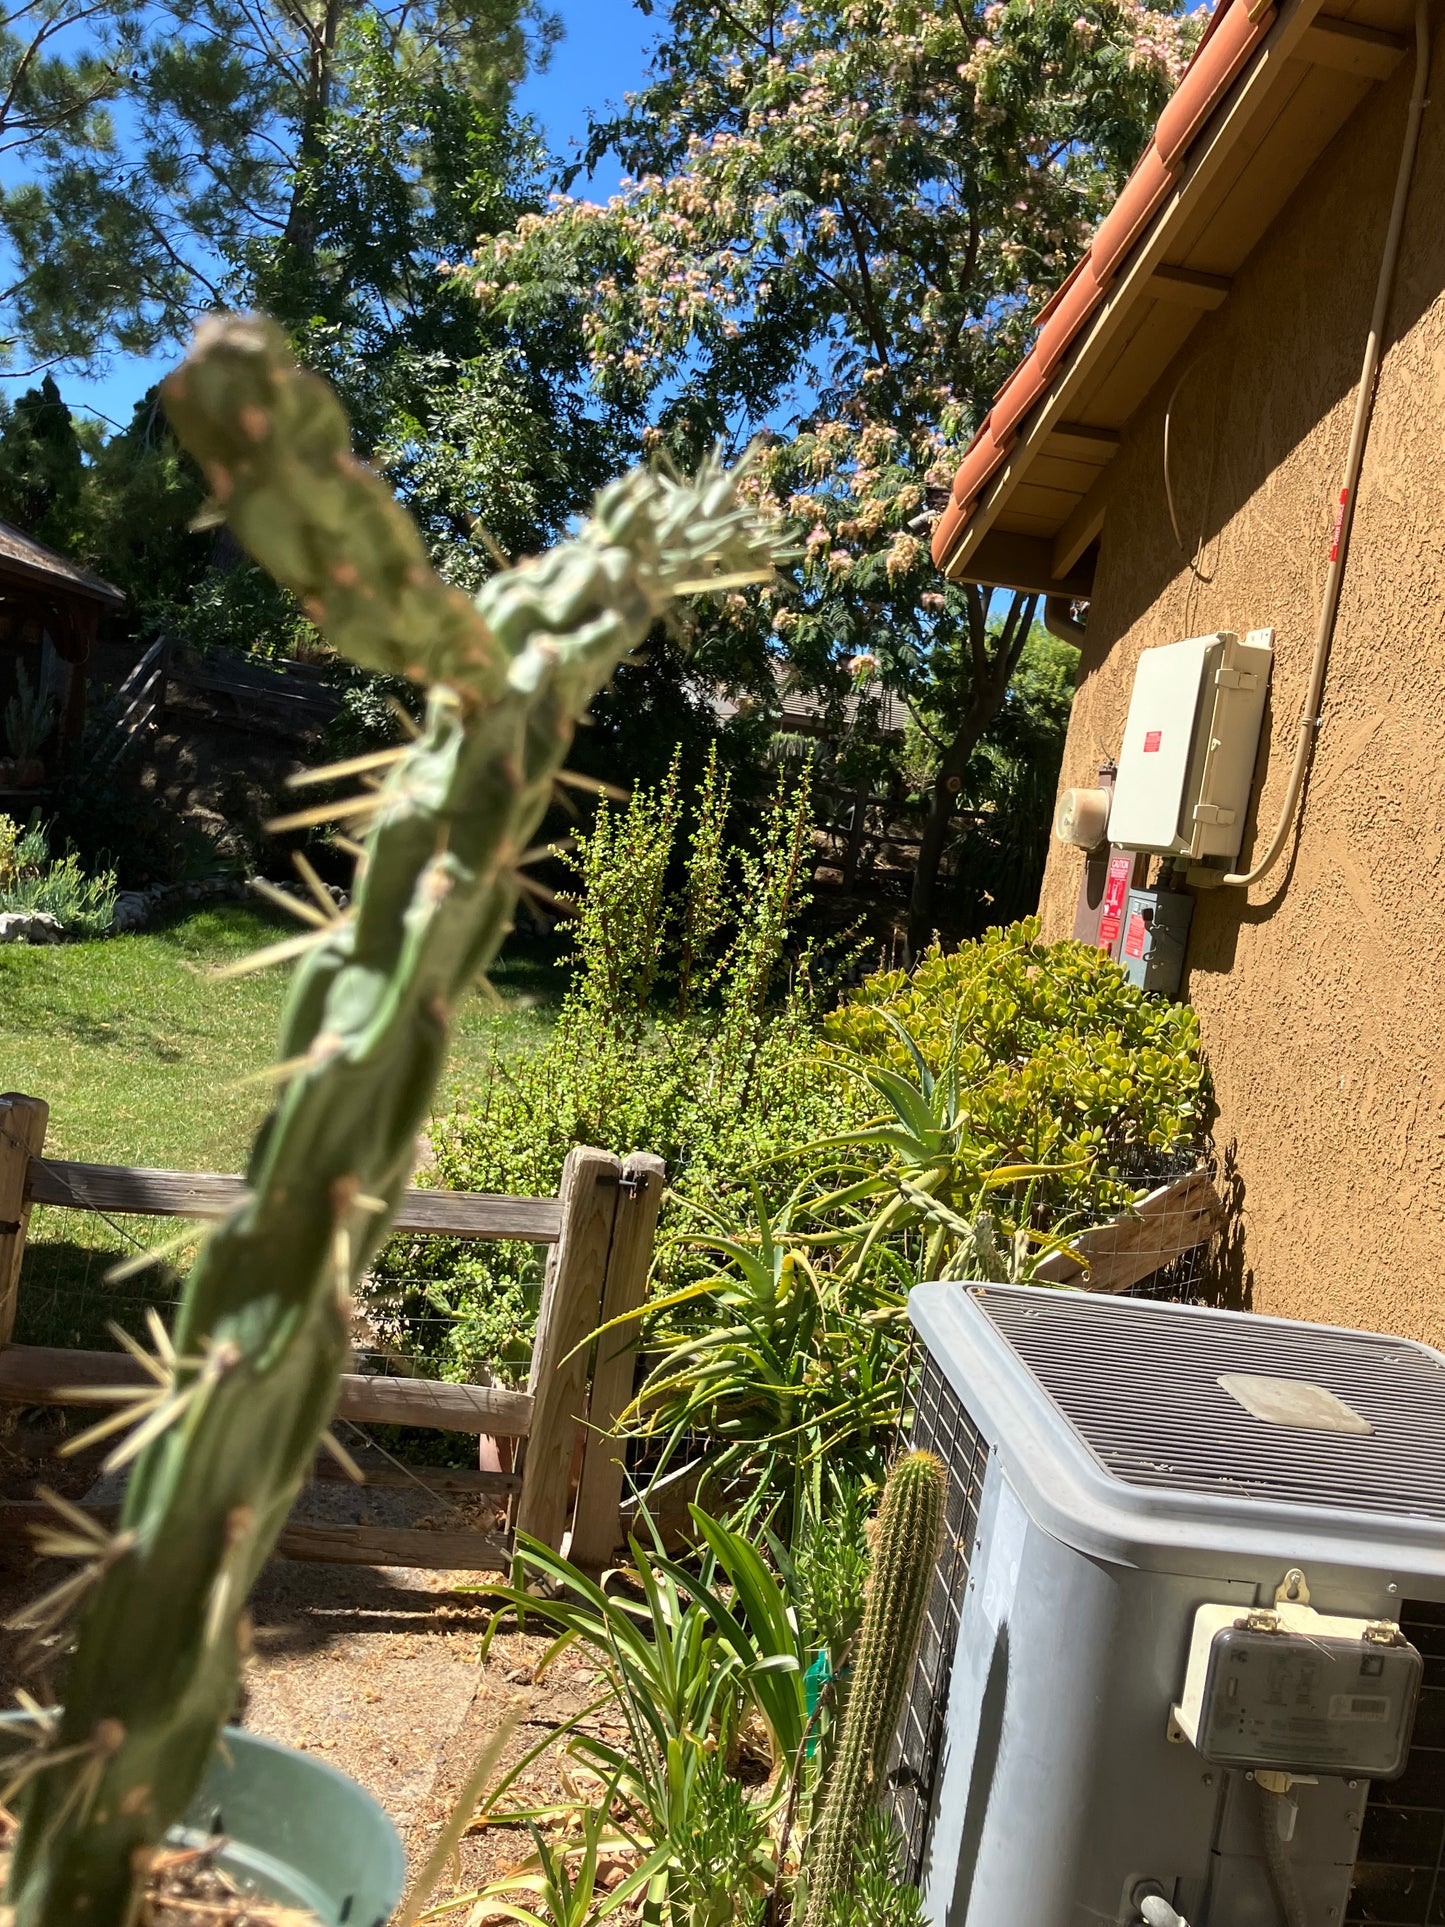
(1321, 991)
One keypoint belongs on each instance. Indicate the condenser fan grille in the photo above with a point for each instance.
(1138, 1382)
(939, 1425)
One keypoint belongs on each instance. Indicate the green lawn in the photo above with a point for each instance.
(142, 1058)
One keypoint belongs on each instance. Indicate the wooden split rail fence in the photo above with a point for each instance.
(600, 1229)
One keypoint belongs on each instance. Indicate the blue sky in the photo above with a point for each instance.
(602, 56)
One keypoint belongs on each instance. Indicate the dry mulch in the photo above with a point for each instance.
(374, 1669)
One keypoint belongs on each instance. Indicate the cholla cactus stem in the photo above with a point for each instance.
(262, 1325)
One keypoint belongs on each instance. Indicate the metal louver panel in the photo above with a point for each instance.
(1400, 1873)
(939, 1425)
(1138, 1383)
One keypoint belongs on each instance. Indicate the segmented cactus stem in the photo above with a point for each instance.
(261, 1334)
(910, 1522)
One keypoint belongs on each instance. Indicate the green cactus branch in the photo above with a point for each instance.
(261, 1334)
(910, 1522)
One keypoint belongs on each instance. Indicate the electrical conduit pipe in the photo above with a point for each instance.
(1359, 434)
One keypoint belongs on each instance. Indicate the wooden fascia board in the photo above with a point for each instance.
(33, 575)
(1081, 441)
(1250, 96)
(1008, 560)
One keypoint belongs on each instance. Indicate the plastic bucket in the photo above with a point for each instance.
(296, 1830)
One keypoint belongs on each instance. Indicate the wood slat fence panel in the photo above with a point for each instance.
(330, 1544)
(54, 1375)
(211, 1194)
(601, 1239)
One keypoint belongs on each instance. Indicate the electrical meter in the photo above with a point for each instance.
(1297, 1691)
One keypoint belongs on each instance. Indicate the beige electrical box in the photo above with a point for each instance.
(1186, 764)
(1286, 1688)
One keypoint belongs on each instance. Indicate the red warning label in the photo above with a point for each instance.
(1115, 890)
(1151, 741)
(1134, 936)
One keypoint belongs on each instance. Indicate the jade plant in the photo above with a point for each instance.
(245, 1385)
(910, 1521)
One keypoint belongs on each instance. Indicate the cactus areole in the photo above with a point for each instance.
(261, 1335)
(905, 1553)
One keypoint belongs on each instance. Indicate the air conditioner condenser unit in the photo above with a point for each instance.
(1193, 1577)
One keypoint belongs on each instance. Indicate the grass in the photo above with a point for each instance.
(142, 1059)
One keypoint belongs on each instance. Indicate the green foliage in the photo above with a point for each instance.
(779, 1362)
(245, 1385)
(29, 719)
(877, 1895)
(32, 880)
(1002, 809)
(128, 221)
(41, 465)
(694, 1657)
(1057, 1059)
(687, 1656)
(989, 1105)
(688, 1031)
(827, 1569)
(910, 1522)
(839, 221)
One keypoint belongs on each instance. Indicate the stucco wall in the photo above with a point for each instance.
(1322, 992)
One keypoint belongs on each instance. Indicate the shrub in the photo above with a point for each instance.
(998, 1098)
(1059, 1059)
(31, 880)
(689, 1030)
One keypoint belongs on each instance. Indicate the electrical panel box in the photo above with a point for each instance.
(1187, 761)
(1155, 931)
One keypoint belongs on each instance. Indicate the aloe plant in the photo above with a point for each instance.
(910, 1521)
(247, 1382)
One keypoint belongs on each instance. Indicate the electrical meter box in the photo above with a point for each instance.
(1294, 1690)
(1187, 761)
(1154, 933)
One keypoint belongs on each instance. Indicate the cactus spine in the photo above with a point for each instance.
(261, 1335)
(910, 1522)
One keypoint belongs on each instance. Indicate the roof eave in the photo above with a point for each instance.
(966, 545)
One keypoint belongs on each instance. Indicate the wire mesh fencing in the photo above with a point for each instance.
(80, 1277)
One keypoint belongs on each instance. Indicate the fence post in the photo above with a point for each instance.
(571, 1311)
(598, 1527)
(22, 1137)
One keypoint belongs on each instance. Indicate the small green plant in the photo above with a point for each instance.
(689, 1656)
(29, 719)
(910, 1522)
(33, 881)
(243, 1388)
(878, 1895)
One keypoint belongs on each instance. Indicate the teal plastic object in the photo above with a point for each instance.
(814, 1680)
(296, 1830)
(299, 1831)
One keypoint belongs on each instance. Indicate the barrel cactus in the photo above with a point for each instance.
(246, 1383)
(905, 1552)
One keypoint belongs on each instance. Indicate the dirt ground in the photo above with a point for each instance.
(376, 1670)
